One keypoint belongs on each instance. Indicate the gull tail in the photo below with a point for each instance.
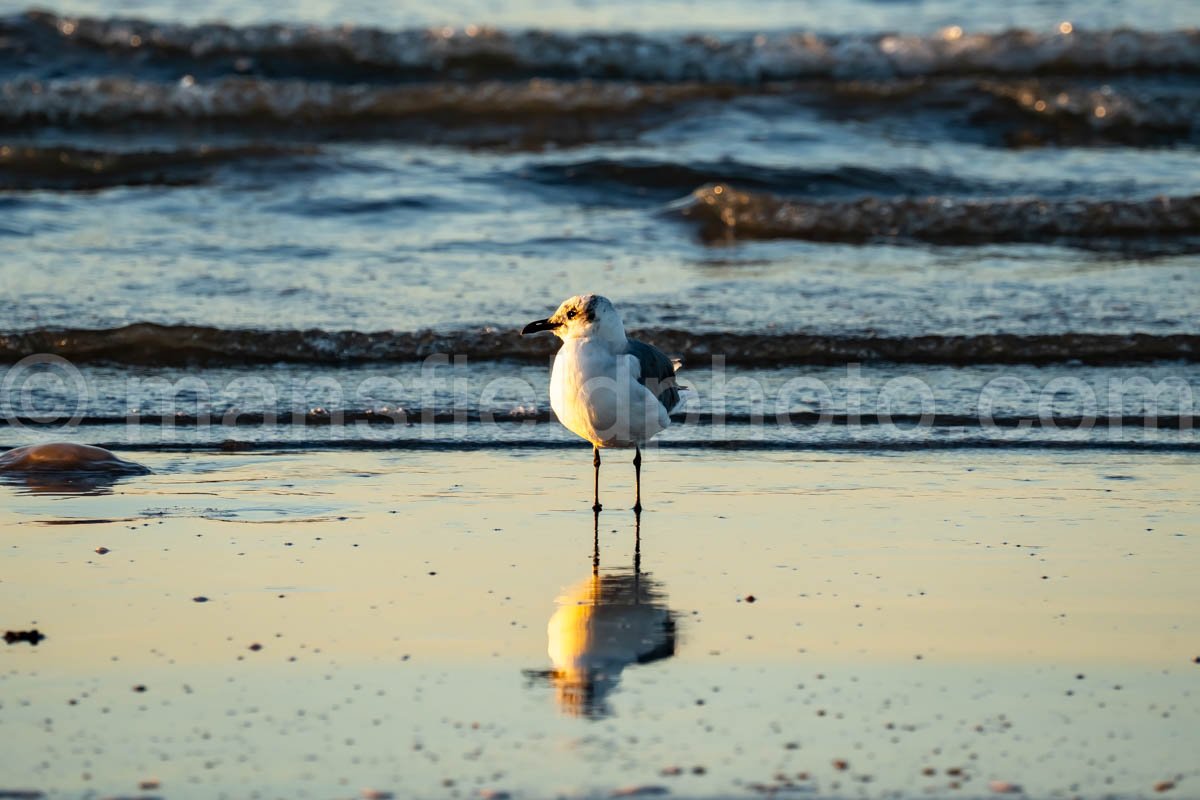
(686, 395)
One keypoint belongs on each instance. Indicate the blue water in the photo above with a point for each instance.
(933, 174)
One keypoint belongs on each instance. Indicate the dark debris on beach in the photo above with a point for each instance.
(31, 636)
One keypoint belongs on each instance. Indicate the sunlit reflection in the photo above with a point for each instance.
(613, 619)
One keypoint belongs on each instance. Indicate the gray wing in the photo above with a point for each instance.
(658, 373)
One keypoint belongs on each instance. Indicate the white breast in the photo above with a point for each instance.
(595, 393)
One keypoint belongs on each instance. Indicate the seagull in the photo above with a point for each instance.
(605, 387)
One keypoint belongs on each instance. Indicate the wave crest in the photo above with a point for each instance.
(531, 112)
(1157, 225)
(474, 53)
(72, 168)
(164, 345)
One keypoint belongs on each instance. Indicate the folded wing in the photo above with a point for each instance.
(657, 374)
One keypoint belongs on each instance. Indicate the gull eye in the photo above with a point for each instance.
(571, 314)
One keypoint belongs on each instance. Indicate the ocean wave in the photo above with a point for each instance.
(1157, 225)
(1024, 112)
(61, 44)
(1040, 112)
(163, 345)
(540, 111)
(71, 168)
(430, 416)
(452, 445)
(668, 180)
(530, 112)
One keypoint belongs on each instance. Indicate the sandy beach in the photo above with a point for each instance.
(317, 624)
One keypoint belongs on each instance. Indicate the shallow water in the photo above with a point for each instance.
(959, 613)
(1009, 175)
(931, 267)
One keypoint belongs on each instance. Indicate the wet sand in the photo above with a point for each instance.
(316, 624)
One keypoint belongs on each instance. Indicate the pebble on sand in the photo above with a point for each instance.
(641, 791)
(103, 550)
(1164, 786)
(494, 794)
(1004, 787)
(376, 794)
(149, 783)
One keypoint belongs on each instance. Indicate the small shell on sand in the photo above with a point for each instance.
(67, 457)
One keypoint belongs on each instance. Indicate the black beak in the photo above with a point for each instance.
(539, 326)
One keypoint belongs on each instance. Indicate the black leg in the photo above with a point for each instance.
(595, 543)
(637, 542)
(637, 471)
(596, 507)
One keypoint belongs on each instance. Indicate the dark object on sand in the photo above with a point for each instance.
(67, 457)
(33, 637)
(62, 467)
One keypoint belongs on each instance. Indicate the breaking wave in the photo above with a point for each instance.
(352, 53)
(71, 168)
(1157, 225)
(536, 111)
(159, 345)
(532, 88)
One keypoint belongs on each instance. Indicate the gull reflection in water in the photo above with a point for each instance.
(614, 618)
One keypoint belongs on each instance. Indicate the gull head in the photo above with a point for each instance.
(585, 316)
